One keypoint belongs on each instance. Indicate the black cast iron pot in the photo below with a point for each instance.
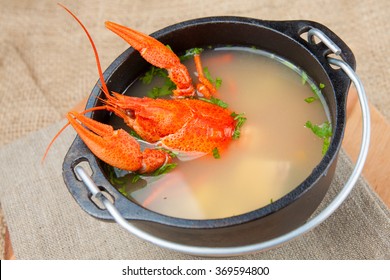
(282, 38)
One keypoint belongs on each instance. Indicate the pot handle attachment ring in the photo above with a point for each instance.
(327, 42)
(311, 224)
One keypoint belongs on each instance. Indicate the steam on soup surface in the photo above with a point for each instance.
(275, 151)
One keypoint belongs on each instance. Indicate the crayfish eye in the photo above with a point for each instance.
(130, 113)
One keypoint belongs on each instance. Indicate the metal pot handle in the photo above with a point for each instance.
(238, 250)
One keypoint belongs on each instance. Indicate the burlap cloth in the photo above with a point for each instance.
(46, 67)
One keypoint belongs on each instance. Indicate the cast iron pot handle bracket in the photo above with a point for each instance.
(327, 42)
(312, 223)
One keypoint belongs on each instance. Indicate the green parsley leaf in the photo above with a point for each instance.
(160, 171)
(316, 90)
(154, 71)
(113, 178)
(240, 120)
(147, 78)
(164, 169)
(190, 53)
(165, 90)
(169, 152)
(323, 131)
(134, 134)
(217, 82)
(216, 154)
(311, 99)
(207, 74)
(325, 145)
(216, 101)
(123, 191)
(135, 178)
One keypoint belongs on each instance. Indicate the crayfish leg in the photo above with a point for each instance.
(204, 86)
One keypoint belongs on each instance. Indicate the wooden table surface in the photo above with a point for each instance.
(377, 167)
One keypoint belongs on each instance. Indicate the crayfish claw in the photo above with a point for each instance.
(153, 160)
(158, 55)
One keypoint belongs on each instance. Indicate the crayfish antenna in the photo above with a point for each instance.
(52, 141)
(104, 87)
(101, 78)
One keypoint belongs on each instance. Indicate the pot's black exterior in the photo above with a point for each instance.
(282, 216)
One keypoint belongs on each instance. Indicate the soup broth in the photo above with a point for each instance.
(275, 151)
